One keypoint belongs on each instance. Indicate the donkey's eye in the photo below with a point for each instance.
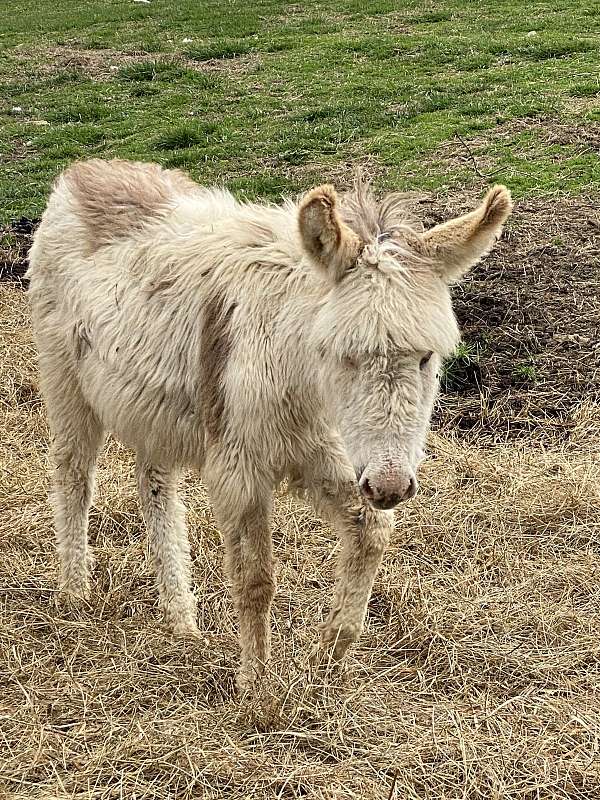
(425, 360)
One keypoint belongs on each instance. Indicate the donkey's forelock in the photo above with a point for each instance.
(376, 220)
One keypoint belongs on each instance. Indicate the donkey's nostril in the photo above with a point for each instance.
(412, 489)
(383, 496)
(365, 488)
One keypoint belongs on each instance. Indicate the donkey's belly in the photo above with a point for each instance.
(149, 411)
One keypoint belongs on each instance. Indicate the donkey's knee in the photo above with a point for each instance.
(256, 595)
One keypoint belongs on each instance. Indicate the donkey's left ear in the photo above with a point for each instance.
(457, 245)
(332, 245)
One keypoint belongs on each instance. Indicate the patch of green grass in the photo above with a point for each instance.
(332, 84)
(590, 89)
(254, 187)
(430, 17)
(144, 90)
(529, 164)
(164, 72)
(535, 50)
(82, 111)
(225, 49)
(461, 369)
(185, 136)
(155, 71)
(525, 373)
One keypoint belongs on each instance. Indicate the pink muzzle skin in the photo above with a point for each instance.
(385, 488)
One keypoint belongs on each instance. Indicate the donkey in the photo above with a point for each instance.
(253, 343)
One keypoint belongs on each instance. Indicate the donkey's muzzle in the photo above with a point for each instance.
(384, 494)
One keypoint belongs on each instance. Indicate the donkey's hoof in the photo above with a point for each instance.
(336, 640)
(245, 682)
(248, 677)
(74, 596)
(323, 661)
(188, 630)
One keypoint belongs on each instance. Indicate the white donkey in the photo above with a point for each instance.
(251, 342)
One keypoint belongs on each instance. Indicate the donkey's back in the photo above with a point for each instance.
(108, 201)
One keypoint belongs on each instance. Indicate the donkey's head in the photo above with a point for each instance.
(386, 321)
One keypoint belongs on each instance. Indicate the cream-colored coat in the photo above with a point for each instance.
(252, 342)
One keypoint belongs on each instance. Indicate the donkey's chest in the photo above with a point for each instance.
(268, 410)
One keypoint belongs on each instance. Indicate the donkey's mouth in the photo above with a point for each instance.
(387, 503)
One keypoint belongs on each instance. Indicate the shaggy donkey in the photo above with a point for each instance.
(251, 342)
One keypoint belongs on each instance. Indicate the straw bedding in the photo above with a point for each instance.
(478, 675)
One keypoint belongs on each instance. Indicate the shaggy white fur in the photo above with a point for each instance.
(252, 342)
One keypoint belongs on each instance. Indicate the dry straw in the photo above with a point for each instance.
(477, 676)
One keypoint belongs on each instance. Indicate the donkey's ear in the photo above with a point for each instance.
(332, 245)
(457, 245)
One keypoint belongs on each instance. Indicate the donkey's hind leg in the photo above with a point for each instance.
(76, 437)
(164, 515)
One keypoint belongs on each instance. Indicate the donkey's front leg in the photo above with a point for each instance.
(245, 525)
(364, 534)
(165, 519)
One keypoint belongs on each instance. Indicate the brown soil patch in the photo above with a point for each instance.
(15, 241)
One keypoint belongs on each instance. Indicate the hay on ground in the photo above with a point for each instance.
(478, 674)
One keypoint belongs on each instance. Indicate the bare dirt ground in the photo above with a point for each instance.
(530, 314)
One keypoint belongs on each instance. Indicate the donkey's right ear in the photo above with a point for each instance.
(331, 244)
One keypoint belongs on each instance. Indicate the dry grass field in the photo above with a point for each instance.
(478, 674)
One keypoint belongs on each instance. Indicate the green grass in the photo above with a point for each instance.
(525, 373)
(272, 98)
(460, 369)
